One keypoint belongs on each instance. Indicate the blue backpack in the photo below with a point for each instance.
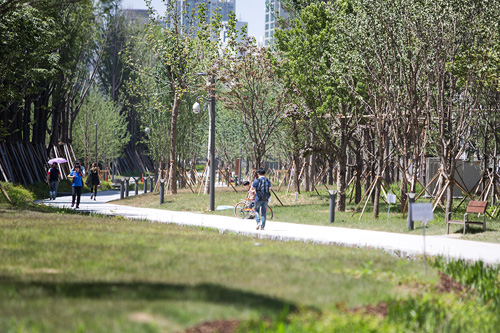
(263, 189)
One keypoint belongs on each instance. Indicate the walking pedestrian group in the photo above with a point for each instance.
(77, 176)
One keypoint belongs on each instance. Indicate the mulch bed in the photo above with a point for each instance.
(381, 309)
(448, 285)
(219, 326)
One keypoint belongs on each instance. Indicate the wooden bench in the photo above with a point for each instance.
(474, 207)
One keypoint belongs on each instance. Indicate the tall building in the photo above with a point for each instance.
(224, 7)
(273, 11)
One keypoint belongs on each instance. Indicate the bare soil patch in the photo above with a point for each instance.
(219, 326)
(381, 309)
(448, 285)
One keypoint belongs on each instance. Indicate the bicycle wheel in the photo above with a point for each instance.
(269, 212)
(241, 210)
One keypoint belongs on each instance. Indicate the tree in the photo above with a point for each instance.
(180, 48)
(112, 134)
(310, 71)
(252, 89)
(20, 71)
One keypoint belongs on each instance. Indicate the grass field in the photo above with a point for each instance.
(67, 272)
(311, 208)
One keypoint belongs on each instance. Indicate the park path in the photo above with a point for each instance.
(397, 244)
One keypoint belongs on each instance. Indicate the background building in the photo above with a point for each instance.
(225, 7)
(273, 11)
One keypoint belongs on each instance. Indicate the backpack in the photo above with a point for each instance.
(263, 189)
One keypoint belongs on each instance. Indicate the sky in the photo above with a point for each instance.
(251, 11)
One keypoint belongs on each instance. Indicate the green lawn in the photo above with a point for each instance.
(63, 272)
(312, 208)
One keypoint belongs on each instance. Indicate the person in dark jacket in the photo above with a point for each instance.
(53, 180)
(93, 181)
(261, 186)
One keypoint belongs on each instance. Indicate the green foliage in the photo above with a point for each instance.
(106, 185)
(18, 195)
(483, 278)
(112, 133)
(425, 312)
(442, 313)
(107, 274)
(26, 28)
(231, 140)
(252, 91)
(164, 81)
(326, 321)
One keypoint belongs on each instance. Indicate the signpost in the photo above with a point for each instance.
(391, 198)
(422, 212)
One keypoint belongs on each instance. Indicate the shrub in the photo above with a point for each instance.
(442, 313)
(484, 279)
(106, 185)
(327, 321)
(18, 195)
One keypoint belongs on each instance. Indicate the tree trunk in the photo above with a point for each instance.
(26, 119)
(377, 191)
(330, 171)
(173, 143)
(449, 200)
(341, 185)
(342, 167)
(296, 172)
(307, 183)
(359, 171)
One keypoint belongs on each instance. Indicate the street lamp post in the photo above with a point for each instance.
(113, 170)
(196, 109)
(95, 143)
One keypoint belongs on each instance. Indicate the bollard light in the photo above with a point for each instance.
(162, 191)
(411, 200)
(333, 198)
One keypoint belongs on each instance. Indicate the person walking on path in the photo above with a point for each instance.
(53, 180)
(77, 176)
(262, 187)
(82, 168)
(93, 181)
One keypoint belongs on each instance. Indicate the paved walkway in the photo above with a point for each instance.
(399, 244)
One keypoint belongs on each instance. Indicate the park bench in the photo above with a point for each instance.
(474, 207)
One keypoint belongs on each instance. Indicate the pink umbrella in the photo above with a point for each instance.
(57, 160)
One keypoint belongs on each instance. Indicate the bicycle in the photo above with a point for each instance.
(245, 210)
